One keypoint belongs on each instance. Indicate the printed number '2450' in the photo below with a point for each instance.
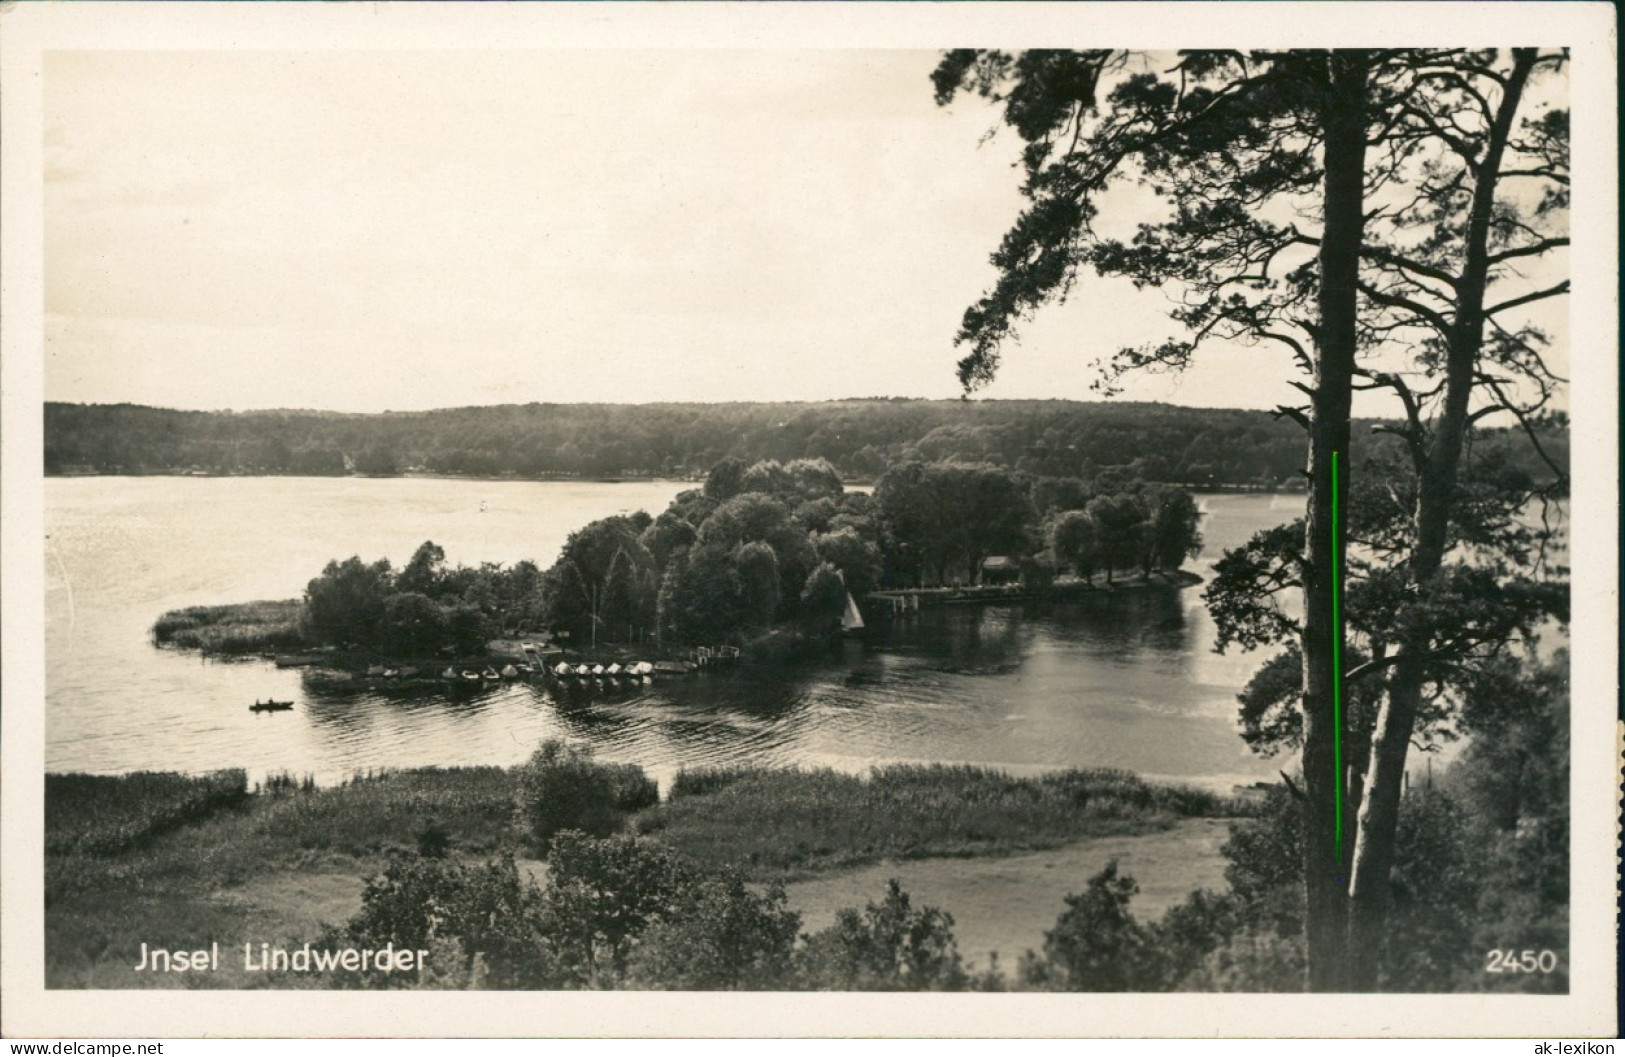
(1499, 961)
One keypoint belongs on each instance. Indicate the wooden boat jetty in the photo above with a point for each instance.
(900, 601)
(513, 661)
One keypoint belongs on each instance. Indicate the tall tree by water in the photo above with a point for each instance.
(1492, 182)
(592, 591)
(1301, 188)
(947, 518)
(346, 603)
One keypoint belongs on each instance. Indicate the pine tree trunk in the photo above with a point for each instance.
(1370, 888)
(1343, 121)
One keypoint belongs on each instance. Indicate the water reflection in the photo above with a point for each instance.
(1122, 679)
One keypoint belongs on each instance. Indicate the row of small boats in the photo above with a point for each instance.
(483, 675)
(468, 675)
(486, 675)
(596, 671)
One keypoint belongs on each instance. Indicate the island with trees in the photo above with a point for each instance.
(766, 558)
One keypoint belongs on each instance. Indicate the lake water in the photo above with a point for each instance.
(1124, 681)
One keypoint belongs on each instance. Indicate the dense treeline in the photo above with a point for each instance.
(1153, 442)
(943, 521)
(760, 553)
(773, 547)
(755, 549)
(423, 608)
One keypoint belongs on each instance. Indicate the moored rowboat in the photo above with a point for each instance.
(672, 667)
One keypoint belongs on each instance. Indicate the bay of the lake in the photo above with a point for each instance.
(1125, 680)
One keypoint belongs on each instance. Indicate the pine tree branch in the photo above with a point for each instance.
(1538, 295)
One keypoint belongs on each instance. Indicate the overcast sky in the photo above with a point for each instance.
(370, 231)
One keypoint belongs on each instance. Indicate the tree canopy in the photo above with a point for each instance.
(1377, 214)
(858, 438)
(426, 609)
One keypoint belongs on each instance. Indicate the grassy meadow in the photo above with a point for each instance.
(183, 861)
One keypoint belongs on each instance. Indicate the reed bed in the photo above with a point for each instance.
(103, 815)
(102, 833)
(372, 814)
(795, 822)
(248, 627)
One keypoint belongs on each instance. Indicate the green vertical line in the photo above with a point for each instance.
(1337, 664)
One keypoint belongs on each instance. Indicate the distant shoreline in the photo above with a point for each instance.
(425, 476)
(853, 482)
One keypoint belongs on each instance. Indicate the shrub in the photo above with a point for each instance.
(724, 937)
(419, 903)
(433, 841)
(1037, 574)
(1185, 935)
(1252, 961)
(704, 780)
(1437, 883)
(1096, 945)
(411, 901)
(888, 947)
(630, 789)
(600, 896)
(1266, 853)
(1512, 783)
(563, 788)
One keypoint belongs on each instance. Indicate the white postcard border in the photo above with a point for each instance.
(28, 31)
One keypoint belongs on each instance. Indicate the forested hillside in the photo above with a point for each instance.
(861, 438)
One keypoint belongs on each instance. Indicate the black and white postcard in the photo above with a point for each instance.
(974, 519)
